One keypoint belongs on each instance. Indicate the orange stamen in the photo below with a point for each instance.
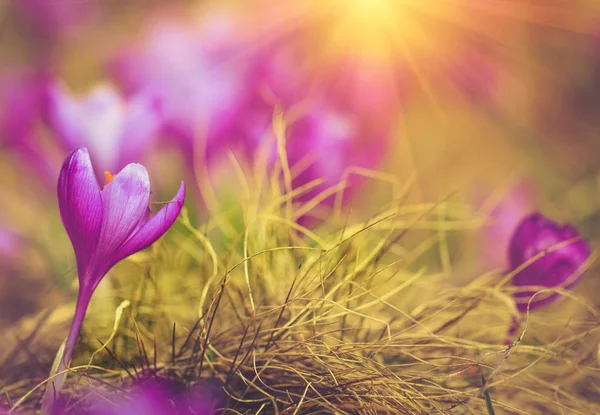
(109, 177)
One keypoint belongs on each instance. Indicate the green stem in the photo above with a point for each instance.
(54, 386)
(488, 400)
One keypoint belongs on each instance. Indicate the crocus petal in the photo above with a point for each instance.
(125, 203)
(155, 227)
(80, 205)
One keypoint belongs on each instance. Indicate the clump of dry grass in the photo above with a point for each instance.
(344, 318)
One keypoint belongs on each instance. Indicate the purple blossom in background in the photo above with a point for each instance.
(220, 90)
(200, 74)
(475, 74)
(10, 246)
(54, 17)
(329, 141)
(333, 124)
(22, 99)
(322, 143)
(504, 218)
(115, 130)
(368, 88)
(563, 266)
(276, 80)
(282, 73)
(105, 225)
(162, 397)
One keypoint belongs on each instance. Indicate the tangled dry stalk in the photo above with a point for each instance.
(337, 319)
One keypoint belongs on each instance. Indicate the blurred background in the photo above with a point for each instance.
(491, 103)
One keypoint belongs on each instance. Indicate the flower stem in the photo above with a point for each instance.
(54, 386)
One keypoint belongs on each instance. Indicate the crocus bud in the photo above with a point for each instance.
(560, 266)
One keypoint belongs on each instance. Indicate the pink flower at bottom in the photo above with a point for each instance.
(157, 396)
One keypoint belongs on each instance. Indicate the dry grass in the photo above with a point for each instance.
(342, 318)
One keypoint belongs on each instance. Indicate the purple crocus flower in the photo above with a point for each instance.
(116, 131)
(105, 225)
(559, 268)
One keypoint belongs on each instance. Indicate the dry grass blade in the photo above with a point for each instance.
(338, 318)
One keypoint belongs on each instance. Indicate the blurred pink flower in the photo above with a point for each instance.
(11, 246)
(221, 86)
(10, 242)
(277, 76)
(474, 73)
(117, 131)
(369, 88)
(504, 218)
(55, 17)
(336, 122)
(22, 99)
(332, 141)
(149, 394)
(199, 72)
(162, 397)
